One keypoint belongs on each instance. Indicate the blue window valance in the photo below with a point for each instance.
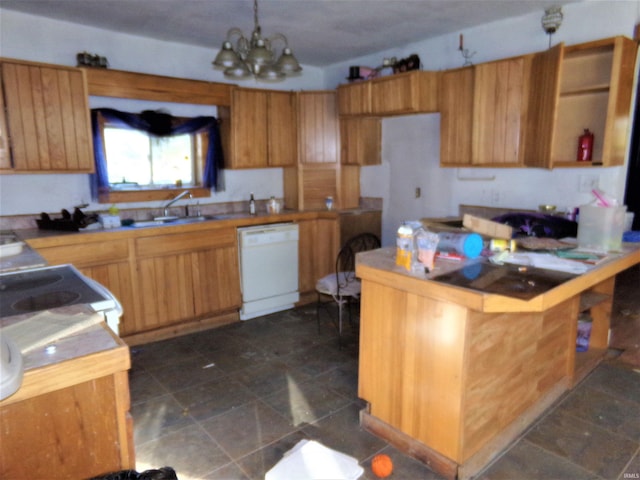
(159, 124)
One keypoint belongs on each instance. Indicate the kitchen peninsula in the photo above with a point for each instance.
(453, 375)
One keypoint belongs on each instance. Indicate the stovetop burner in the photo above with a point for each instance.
(46, 288)
(46, 301)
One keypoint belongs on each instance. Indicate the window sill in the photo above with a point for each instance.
(130, 196)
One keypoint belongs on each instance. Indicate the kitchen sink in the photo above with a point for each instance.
(158, 221)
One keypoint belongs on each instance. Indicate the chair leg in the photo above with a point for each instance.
(318, 312)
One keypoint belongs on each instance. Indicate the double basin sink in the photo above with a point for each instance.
(157, 221)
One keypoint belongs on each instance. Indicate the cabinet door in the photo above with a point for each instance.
(248, 129)
(5, 151)
(48, 118)
(318, 124)
(410, 92)
(498, 109)
(282, 129)
(360, 141)
(318, 248)
(186, 275)
(354, 99)
(456, 115)
(543, 94)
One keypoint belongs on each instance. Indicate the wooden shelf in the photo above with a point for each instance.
(590, 299)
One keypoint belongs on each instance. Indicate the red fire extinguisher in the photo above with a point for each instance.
(585, 146)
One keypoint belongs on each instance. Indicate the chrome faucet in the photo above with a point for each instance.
(175, 199)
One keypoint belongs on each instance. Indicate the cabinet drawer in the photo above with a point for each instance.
(86, 254)
(184, 242)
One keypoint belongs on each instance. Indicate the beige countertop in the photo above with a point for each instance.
(379, 266)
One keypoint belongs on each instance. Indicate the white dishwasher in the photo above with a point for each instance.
(268, 268)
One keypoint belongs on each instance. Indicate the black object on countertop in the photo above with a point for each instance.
(538, 225)
(68, 222)
(513, 281)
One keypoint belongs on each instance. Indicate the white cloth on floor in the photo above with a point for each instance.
(310, 460)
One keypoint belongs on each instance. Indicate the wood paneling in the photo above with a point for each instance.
(318, 127)
(117, 83)
(543, 95)
(499, 106)
(80, 405)
(354, 98)
(409, 92)
(456, 115)
(48, 118)
(282, 129)
(352, 224)
(360, 141)
(248, 129)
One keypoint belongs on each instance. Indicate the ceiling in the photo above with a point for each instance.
(320, 32)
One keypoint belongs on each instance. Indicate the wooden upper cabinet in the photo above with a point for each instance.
(499, 107)
(282, 129)
(354, 98)
(5, 150)
(456, 114)
(596, 87)
(542, 100)
(405, 93)
(263, 129)
(360, 141)
(248, 145)
(318, 127)
(47, 118)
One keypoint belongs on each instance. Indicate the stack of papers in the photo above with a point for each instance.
(310, 460)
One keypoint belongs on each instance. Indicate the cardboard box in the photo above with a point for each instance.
(487, 227)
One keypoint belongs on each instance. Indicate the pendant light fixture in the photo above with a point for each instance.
(255, 56)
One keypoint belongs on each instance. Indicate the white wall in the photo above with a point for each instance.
(40, 39)
(445, 189)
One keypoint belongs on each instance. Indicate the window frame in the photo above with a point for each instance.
(167, 192)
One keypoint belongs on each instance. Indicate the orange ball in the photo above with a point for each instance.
(381, 465)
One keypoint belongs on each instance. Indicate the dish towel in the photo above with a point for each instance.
(310, 460)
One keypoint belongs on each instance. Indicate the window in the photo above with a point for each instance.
(141, 156)
(139, 159)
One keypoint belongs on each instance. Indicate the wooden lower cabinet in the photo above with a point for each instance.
(187, 275)
(106, 262)
(174, 280)
(70, 418)
(318, 248)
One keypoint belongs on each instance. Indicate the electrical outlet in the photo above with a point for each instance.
(495, 197)
(418, 192)
(587, 182)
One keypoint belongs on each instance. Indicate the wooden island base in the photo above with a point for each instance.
(452, 376)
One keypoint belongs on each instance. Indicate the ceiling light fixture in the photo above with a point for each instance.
(255, 56)
(551, 21)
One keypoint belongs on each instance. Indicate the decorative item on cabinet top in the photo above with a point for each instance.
(91, 60)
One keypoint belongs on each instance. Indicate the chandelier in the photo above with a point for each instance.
(255, 56)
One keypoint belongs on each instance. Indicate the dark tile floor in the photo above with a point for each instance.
(229, 402)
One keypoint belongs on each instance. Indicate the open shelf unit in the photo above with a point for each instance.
(592, 96)
(598, 301)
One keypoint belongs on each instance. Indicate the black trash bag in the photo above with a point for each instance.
(538, 225)
(164, 473)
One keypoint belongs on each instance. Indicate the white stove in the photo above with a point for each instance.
(47, 288)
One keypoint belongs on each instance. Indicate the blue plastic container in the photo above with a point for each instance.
(467, 244)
